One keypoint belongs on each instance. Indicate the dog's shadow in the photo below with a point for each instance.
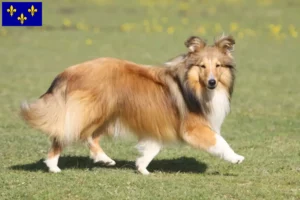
(183, 164)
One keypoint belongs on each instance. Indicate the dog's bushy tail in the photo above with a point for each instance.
(46, 114)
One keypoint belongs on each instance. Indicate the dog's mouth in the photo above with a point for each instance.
(211, 87)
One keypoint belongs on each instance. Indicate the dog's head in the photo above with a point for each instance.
(208, 65)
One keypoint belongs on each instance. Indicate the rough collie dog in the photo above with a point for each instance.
(186, 101)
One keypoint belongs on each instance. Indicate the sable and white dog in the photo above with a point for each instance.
(186, 101)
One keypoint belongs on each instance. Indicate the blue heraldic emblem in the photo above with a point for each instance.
(22, 14)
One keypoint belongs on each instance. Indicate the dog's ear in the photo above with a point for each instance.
(195, 44)
(225, 44)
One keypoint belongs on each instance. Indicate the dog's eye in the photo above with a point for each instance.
(202, 66)
(218, 65)
(229, 66)
(190, 65)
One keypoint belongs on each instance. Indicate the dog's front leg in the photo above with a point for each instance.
(202, 136)
(222, 149)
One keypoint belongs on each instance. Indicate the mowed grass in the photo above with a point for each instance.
(263, 124)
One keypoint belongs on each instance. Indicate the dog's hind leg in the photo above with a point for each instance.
(149, 149)
(53, 156)
(97, 153)
(201, 136)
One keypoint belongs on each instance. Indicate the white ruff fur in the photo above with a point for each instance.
(149, 149)
(220, 107)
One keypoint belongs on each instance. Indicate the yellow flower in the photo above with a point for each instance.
(234, 26)
(170, 30)
(127, 27)
(88, 41)
(81, 26)
(275, 30)
(67, 22)
(293, 31)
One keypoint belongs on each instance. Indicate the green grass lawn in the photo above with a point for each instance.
(263, 124)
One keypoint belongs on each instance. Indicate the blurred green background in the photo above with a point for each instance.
(263, 124)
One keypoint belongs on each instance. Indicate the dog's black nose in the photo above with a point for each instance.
(212, 82)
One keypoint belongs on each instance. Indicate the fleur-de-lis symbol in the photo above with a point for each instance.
(22, 18)
(11, 10)
(32, 10)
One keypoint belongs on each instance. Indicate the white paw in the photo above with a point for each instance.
(103, 158)
(54, 169)
(235, 159)
(143, 171)
(52, 164)
(141, 166)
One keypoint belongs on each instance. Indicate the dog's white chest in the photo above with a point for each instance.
(220, 107)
